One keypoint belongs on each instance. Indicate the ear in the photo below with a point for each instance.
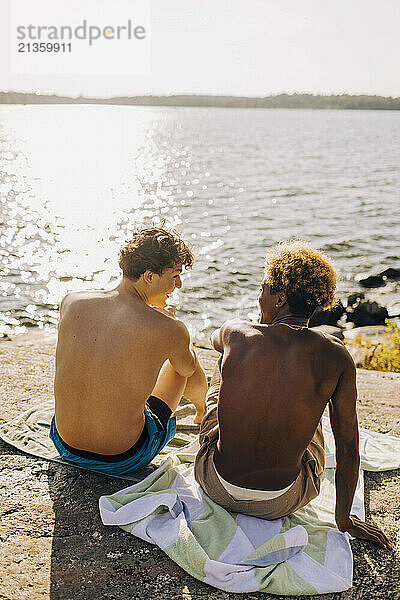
(148, 277)
(281, 299)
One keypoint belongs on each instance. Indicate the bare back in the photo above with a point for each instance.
(276, 382)
(110, 350)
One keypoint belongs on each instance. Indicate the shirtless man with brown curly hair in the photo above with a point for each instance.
(261, 443)
(123, 361)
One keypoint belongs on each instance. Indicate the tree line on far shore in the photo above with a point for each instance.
(340, 101)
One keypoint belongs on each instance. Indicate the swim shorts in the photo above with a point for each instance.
(159, 429)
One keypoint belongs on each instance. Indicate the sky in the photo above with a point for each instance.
(248, 48)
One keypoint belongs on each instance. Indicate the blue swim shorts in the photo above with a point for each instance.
(159, 429)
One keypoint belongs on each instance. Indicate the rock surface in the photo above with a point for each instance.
(372, 337)
(379, 280)
(54, 545)
(353, 298)
(327, 317)
(330, 330)
(374, 333)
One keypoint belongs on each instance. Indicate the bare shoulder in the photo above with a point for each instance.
(337, 349)
(173, 335)
(176, 330)
(179, 327)
(237, 329)
(231, 331)
(68, 300)
(81, 298)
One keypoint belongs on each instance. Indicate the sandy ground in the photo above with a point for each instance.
(53, 544)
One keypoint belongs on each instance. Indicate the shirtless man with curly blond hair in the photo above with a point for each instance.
(261, 443)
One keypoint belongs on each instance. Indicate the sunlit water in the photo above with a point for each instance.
(75, 180)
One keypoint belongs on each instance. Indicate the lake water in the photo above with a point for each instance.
(74, 180)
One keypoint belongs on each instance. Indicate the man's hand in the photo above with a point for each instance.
(365, 531)
(169, 310)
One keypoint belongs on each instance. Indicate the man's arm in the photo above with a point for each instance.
(343, 416)
(182, 355)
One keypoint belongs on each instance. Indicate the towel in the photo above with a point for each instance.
(301, 554)
(29, 433)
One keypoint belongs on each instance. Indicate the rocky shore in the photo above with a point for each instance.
(53, 544)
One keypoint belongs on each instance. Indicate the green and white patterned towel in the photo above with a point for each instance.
(300, 554)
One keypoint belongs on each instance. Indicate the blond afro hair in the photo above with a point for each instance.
(305, 275)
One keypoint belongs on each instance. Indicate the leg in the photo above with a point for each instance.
(196, 390)
(213, 391)
(210, 420)
(169, 386)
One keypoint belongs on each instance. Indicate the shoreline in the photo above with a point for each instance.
(280, 101)
(374, 333)
(356, 309)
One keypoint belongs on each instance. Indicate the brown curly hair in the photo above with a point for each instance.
(154, 249)
(305, 275)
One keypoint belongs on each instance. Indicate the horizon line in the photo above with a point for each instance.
(202, 95)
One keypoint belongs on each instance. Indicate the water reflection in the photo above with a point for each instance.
(75, 181)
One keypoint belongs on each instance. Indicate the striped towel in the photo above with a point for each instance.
(297, 555)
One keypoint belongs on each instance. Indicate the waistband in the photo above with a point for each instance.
(108, 458)
(241, 493)
(155, 408)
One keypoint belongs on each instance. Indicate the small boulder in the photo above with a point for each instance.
(379, 280)
(373, 281)
(353, 298)
(327, 317)
(374, 333)
(366, 312)
(391, 274)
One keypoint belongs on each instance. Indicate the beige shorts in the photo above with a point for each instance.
(301, 492)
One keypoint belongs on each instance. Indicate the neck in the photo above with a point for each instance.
(292, 320)
(133, 288)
